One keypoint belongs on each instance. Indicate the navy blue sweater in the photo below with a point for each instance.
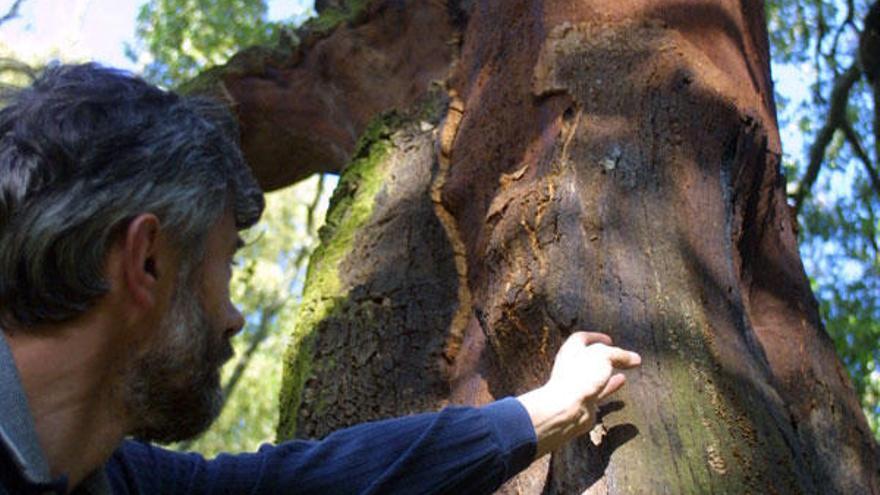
(459, 450)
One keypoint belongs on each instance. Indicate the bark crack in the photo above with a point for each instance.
(462, 315)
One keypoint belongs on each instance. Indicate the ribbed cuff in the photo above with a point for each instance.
(512, 427)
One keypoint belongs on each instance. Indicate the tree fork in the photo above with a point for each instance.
(303, 103)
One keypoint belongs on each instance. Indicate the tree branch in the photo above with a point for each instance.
(848, 21)
(8, 64)
(302, 108)
(873, 237)
(310, 210)
(869, 58)
(876, 87)
(853, 140)
(821, 32)
(12, 13)
(836, 119)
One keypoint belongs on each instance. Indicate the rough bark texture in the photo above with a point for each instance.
(381, 290)
(604, 165)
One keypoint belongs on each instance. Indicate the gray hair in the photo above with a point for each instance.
(83, 151)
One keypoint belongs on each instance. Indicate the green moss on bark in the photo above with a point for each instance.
(350, 208)
(716, 422)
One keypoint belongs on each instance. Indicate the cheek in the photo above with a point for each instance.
(215, 294)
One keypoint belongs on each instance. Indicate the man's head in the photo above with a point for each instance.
(84, 150)
(93, 160)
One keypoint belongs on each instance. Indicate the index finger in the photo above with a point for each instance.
(587, 338)
(623, 359)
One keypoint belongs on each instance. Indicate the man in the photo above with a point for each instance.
(120, 206)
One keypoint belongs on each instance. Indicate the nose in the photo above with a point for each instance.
(234, 319)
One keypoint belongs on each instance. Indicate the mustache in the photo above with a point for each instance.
(227, 353)
(220, 352)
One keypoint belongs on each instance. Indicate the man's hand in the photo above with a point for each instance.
(583, 374)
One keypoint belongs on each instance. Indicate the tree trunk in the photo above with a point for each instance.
(550, 166)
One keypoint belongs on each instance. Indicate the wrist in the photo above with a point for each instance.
(555, 418)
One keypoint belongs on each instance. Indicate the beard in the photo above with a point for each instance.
(173, 390)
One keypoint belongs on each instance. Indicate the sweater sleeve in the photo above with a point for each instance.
(458, 450)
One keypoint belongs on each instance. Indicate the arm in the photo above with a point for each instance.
(461, 450)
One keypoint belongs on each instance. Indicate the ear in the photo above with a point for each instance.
(143, 260)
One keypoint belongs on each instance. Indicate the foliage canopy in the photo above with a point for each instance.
(184, 37)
